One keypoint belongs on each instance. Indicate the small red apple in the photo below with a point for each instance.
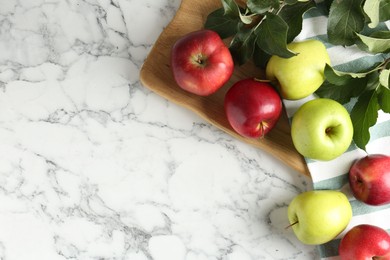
(252, 107)
(365, 242)
(201, 62)
(369, 179)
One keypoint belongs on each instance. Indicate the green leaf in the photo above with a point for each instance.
(260, 58)
(327, 4)
(364, 114)
(346, 17)
(384, 99)
(225, 26)
(378, 44)
(262, 6)
(341, 94)
(272, 36)
(331, 72)
(384, 10)
(230, 8)
(377, 11)
(342, 89)
(371, 8)
(291, 2)
(242, 45)
(384, 78)
(336, 77)
(293, 16)
(381, 34)
(373, 80)
(246, 19)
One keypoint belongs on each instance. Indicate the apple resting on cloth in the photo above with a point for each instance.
(301, 75)
(365, 242)
(319, 216)
(321, 129)
(201, 62)
(252, 107)
(369, 179)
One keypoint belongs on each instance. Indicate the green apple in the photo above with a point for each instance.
(301, 75)
(317, 217)
(321, 129)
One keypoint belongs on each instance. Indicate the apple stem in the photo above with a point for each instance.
(263, 126)
(328, 131)
(200, 59)
(384, 257)
(262, 80)
(292, 224)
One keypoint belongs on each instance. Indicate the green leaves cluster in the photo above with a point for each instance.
(261, 27)
(366, 91)
(359, 22)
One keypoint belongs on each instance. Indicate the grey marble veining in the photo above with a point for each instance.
(95, 166)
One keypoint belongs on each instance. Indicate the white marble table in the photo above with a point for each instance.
(95, 166)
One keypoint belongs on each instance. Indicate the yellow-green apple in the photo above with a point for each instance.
(201, 63)
(318, 216)
(252, 107)
(321, 129)
(365, 241)
(301, 75)
(369, 179)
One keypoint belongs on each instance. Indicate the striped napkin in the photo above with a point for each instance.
(334, 174)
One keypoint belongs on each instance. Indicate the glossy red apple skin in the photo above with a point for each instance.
(252, 107)
(365, 242)
(369, 179)
(201, 63)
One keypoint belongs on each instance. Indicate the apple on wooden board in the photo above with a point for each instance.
(252, 107)
(318, 216)
(365, 242)
(369, 179)
(201, 63)
(321, 129)
(301, 75)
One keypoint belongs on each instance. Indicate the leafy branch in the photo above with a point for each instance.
(259, 29)
(366, 91)
(264, 26)
(267, 26)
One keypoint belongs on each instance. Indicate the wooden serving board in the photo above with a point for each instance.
(156, 75)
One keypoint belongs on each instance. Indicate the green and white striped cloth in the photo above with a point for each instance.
(333, 174)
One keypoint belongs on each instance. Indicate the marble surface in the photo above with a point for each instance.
(95, 166)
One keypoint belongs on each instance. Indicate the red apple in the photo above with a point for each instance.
(252, 107)
(369, 179)
(201, 62)
(365, 242)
